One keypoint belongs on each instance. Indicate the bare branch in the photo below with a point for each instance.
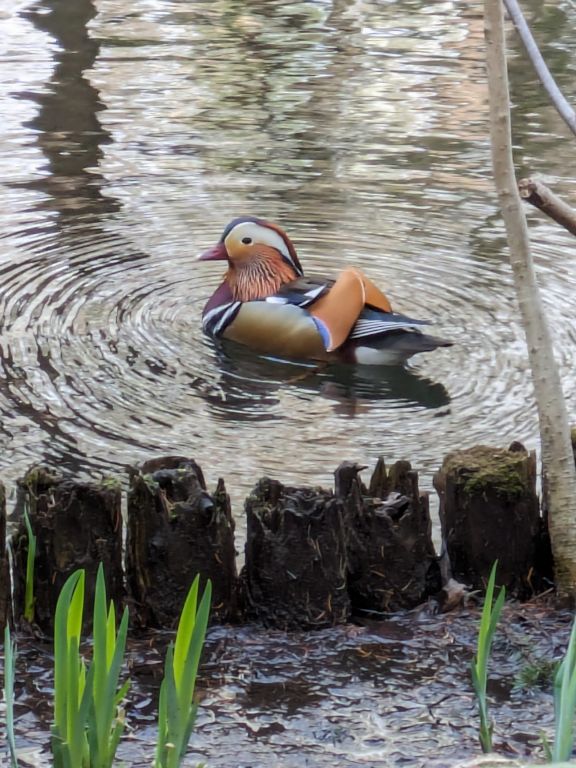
(537, 194)
(564, 109)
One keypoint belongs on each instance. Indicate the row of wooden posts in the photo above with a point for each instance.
(313, 557)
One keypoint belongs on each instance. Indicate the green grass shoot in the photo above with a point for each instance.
(69, 742)
(29, 598)
(9, 667)
(565, 703)
(87, 720)
(105, 719)
(479, 667)
(177, 710)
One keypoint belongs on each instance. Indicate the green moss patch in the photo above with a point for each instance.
(483, 468)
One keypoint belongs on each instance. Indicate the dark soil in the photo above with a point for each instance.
(394, 692)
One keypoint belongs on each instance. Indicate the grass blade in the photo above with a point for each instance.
(565, 702)
(185, 629)
(61, 655)
(29, 598)
(185, 685)
(176, 710)
(69, 744)
(104, 722)
(479, 667)
(9, 668)
(160, 760)
(99, 706)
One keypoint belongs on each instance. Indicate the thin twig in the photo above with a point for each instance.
(537, 194)
(564, 109)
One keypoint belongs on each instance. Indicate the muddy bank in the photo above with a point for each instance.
(372, 695)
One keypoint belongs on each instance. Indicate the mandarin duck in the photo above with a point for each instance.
(266, 303)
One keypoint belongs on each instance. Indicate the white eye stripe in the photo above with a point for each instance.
(258, 234)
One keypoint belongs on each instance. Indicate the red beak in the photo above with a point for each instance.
(216, 253)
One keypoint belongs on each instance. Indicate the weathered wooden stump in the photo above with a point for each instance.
(5, 589)
(295, 573)
(391, 558)
(176, 530)
(489, 510)
(77, 525)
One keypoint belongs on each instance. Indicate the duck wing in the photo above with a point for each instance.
(335, 305)
(372, 323)
(380, 338)
(351, 312)
(301, 292)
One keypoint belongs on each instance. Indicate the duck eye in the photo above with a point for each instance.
(246, 240)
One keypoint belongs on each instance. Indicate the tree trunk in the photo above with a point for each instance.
(558, 464)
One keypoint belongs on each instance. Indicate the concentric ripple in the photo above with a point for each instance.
(137, 137)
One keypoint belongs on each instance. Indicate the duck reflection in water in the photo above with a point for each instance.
(249, 385)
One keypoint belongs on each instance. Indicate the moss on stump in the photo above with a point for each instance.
(489, 511)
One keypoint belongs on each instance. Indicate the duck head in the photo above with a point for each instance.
(260, 258)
